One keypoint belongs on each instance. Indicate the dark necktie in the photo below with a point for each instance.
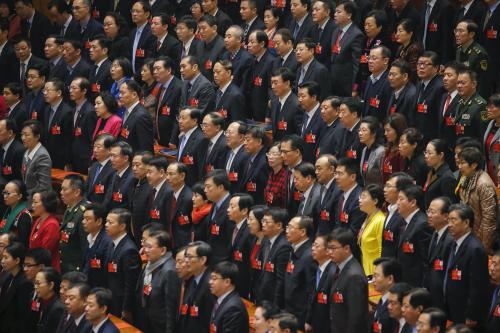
(214, 310)
(189, 86)
(2, 152)
(449, 265)
(320, 33)
(97, 171)
(218, 97)
(434, 242)
(461, 14)
(296, 31)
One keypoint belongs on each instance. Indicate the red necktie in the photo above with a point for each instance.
(447, 103)
(339, 37)
(158, 45)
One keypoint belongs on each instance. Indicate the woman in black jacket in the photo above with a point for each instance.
(116, 29)
(47, 283)
(410, 148)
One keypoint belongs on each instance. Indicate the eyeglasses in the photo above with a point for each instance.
(424, 64)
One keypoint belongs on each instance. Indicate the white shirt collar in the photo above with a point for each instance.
(91, 239)
(409, 217)
(284, 98)
(343, 263)
(252, 20)
(301, 21)
(431, 3)
(345, 28)
(215, 138)
(158, 187)
(348, 193)
(238, 225)
(327, 185)
(323, 267)
(398, 92)
(103, 163)
(194, 78)
(189, 132)
(237, 149)
(56, 106)
(350, 129)
(272, 240)
(31, 154)
(453, 94)
(129, 110)
(123, 171)
(221, 297)
(312, 112)
(187, 45)
(7, 145)
(402, 323)
(163, 38)
(285, 57)
(224, 88)
(467, 6)
(441, 231)
(13, 105)
(98, 326)
(376, 78)
(306, 65)
(461, 240)
(308, 191)
(324, 23)
(101, 62)
(79, 319)
(68, 21)
(299, 244)
(2, 46)
(119, 239)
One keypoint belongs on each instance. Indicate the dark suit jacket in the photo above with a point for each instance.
(257, 86)
(231, 315)
(257, 24)
(201, 96)
(81, 69)
(160, 6)
(382, 322)
(350, 145)
(292, 195)
(270, 285)
(145, 48)
(311, 206)
(304, 30)
(40, 29)
(95, 258)
(69, 325)
(327, 208)
(170, 47)
(466, 282)
(158, 210)
(100, 81)
(81, 151)
(240, 255)
(119, 191)
(348, 311)
(376, 96)
(60, 134)
(290, 62)
(120, 47)
(323, 50)
(191, 156)
(438, 37)
(443, 185)
(311, 135)
(58, 70)
(16, 68)
(476, 13)
(157, 306)
(493, 324)
(316, 72)
(96, 189)
(35, 105)
(139, 206)
(94, 28)
(180, 223)
(232, 104)
(405, 104)
(137, 130)
(489, 40)
(7, 58)
(417, 168)
(72, 31)
(167, 110)
(208, 54)
(200, 303)
(390, 235)
(255, 176)
(242, 62)
(220, 230)
(446, 120)
(51, 314)
(223, 22)
(318, 313)
(237, 169)
(412, 249)
(15, 303)
(217, 156)
(123, 265)
(351, 216)
(330, 139)
(288, 120)
(427, 109)
(12, 161)
(108, 327)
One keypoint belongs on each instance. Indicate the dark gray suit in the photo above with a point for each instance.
(201, 95)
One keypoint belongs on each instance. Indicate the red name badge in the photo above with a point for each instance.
(154, 214)
(165, 111)
(64, 237)
(238, 256)
(96, 88)
(55, 130)
(365, 166)
(421, 108)
(289, 267)
(335, 48)
(344, 217)
(322, 298)
(449, 121)
(117, 197)
(147, 289)
(374, 102)
(269, 197)
(193, 102)
(215, 229)
(317, 49)
(188, 160)
(213, 328)
(438, 265)
(208, 64)
(34, 115)
(99, 189)
(184, 309)
(377, 327)
(310, 138)
(351, 153)
(278, 3)
(183, 219)
(282, 125)
(95, 263)
(251, 187)
(388, 236)
(296, 196)
(363, 59)
(256, 264)
(393, 37)
(78, 131)
(269, 267)
(112, 267)
(124, 133)
(7, 170)
(408, 247)
(173, 20)
(233, 176)
(387, 167)
(87, 45)
(3, 223)
(459, 129)
(222, 112)
(270, 44)
(193, 311)
(393, 109)
(139, 53)
(35, 305)
(257, 81)
(456, 274)
(324, 215)
(496, 312)
(491, 33)
(95, 13)
(496, 147)
(433, 27)
(338, 297)
(209, 168)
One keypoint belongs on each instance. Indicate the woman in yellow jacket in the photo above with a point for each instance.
(371, 201)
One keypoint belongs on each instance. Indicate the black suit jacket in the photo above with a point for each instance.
(443, 185)
(240, 255)
(323, 50)
(316, 72)
(318, 313)
(220, 230)
(236, 170)
(72, 31)
(201, 95)
(167, 110)
(217, 156)
(270, 285)
(15, 303)
(16, 68)
(190, 156)
(466, 282)
(7, 58)
(390, 235)
(493, 324)
(427, 109)
(208, 54)
(405, 104)
(311, 135)
(489, 40)
(290, 62)
(446, 120)
(231, 315)
(119, 191)
(170, 47)
(160, 6)
(438, 37)
(412, 249)
(376, 96)
(58, 70)
(137, 130)
(223, 22)
(257, 86)
(257, 24)
(50, 316)
(304, 30)
(35, 105)
(350, 216)
(476, 13)
(81, 151)
(139, 207)
(145, 48)
(96, 188)
(232, 104)
(100, 81)
(255, 177)
(123, 265)
(327, 208)
(82, 69)
(417, 168)
(288, 119)
(158, 209)
(382, 322)
(200, 303)
(180, 223)
(94, 28)
(40, 29)
(58, 134)
(348, 308)
(351, 146)
(120, 47)
(94, 260)
(12, 161)
(242, 62)
(330, 139)
(108, 327)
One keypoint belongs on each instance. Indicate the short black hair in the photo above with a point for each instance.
(350, 165)
(219, 177)
(76, 182)
(189, 21)
(353, 104)
(413, 192)
(125, 149)
(160, 163)
(203, 249)
(344, 236)
(133, 86)
(52, 276)
(35, 126)
(261, 37)
(464, 211)
(74, 277)
(296, 142)
(98, 210)
(400, 289)
(227, 270)
(109, 101)
(350, 7)
(420, 297)
(390, 266)
(312, 88)
(307, 223)
(472, 155)
(124, 216)
(306, 169)
(269, 309)
(245, 200)
(208, 19)
(286, 321)
(199, 188)
(437, 318)
(16, 250)
(285, 73)
(279, 215)
(433, 56)
(166, 61)
(162, 238)
(40, 255)
(15, 88)
(103, 297)
(125, 65)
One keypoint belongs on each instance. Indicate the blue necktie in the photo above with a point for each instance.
(448, 266)
(97, 171)
(318, 277)
(181, 146)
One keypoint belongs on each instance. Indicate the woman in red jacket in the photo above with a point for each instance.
(45, 231)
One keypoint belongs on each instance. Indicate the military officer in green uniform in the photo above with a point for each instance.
(470, 119)
(73, 239)
(473, 55)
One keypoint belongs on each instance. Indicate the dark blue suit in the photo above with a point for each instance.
(255, 176)
(96, 187)
(330, 139)
(311, 135)
(181, 218)
(145, 48)
(231, 105)
(119, 192)
(327, 209)
(288, 119)
(108, 327)
(231, 315)
(93, 29)
(350, 216)
(236, 170)
(376, 96)
(242, 63)
(240, 255)
(95, 258)
(220, 230)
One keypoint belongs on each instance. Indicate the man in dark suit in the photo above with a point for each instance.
(67, 25)
(58, 124)
(251, 21)
(180, 206)
(474, 10)
(76, 66)
(304, 179)
(99, 303)
(142, 41)
(99, 242)
(123, 264)
(439, 250)
(237, 157)
(350, 114)
(229, 313)
(329, 193)
(386, 274)
(331, 136)
(257, 169)
(349, 287)
(213, 149)
(283, 44)
(34, 25)
(285, 112)
(413, 243)
(12, 151)
(493, 323)
(292, 149)
(54, 54)
(166, 44)
(322, 30)
(301, 24)
(239, 57)
(34, 99)
(489, 40)
(141, 195)
(404, 94)
(160, 6)
(84, 121)
(186, 29)
(25, 60)
(75, 302)
(118, 194)
(274, 257)
(437, 24)
(312, 124)
(190, 138)
(299, 277)
(13, 96)
(429, 92)
(197, 90)
(311, 69)
(346, 49)
(241, 241)
(466, 278)
(137, 126)
(229, 99)
(100, 77)
(88, 26)
(449, 103)
(211, 47)
(158, 287)
(222, 20)
(348, 215)
(258, 82)
(7, 55)
(100, 172)
(219, 227)
(198, 301)
(414, 303)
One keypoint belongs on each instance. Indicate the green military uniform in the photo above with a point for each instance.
(73, 239)
(470, 119)
(476, 58)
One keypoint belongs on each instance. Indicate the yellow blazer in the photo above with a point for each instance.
(370, 240)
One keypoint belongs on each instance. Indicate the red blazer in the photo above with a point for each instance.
(112, 126)
(47, 237)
